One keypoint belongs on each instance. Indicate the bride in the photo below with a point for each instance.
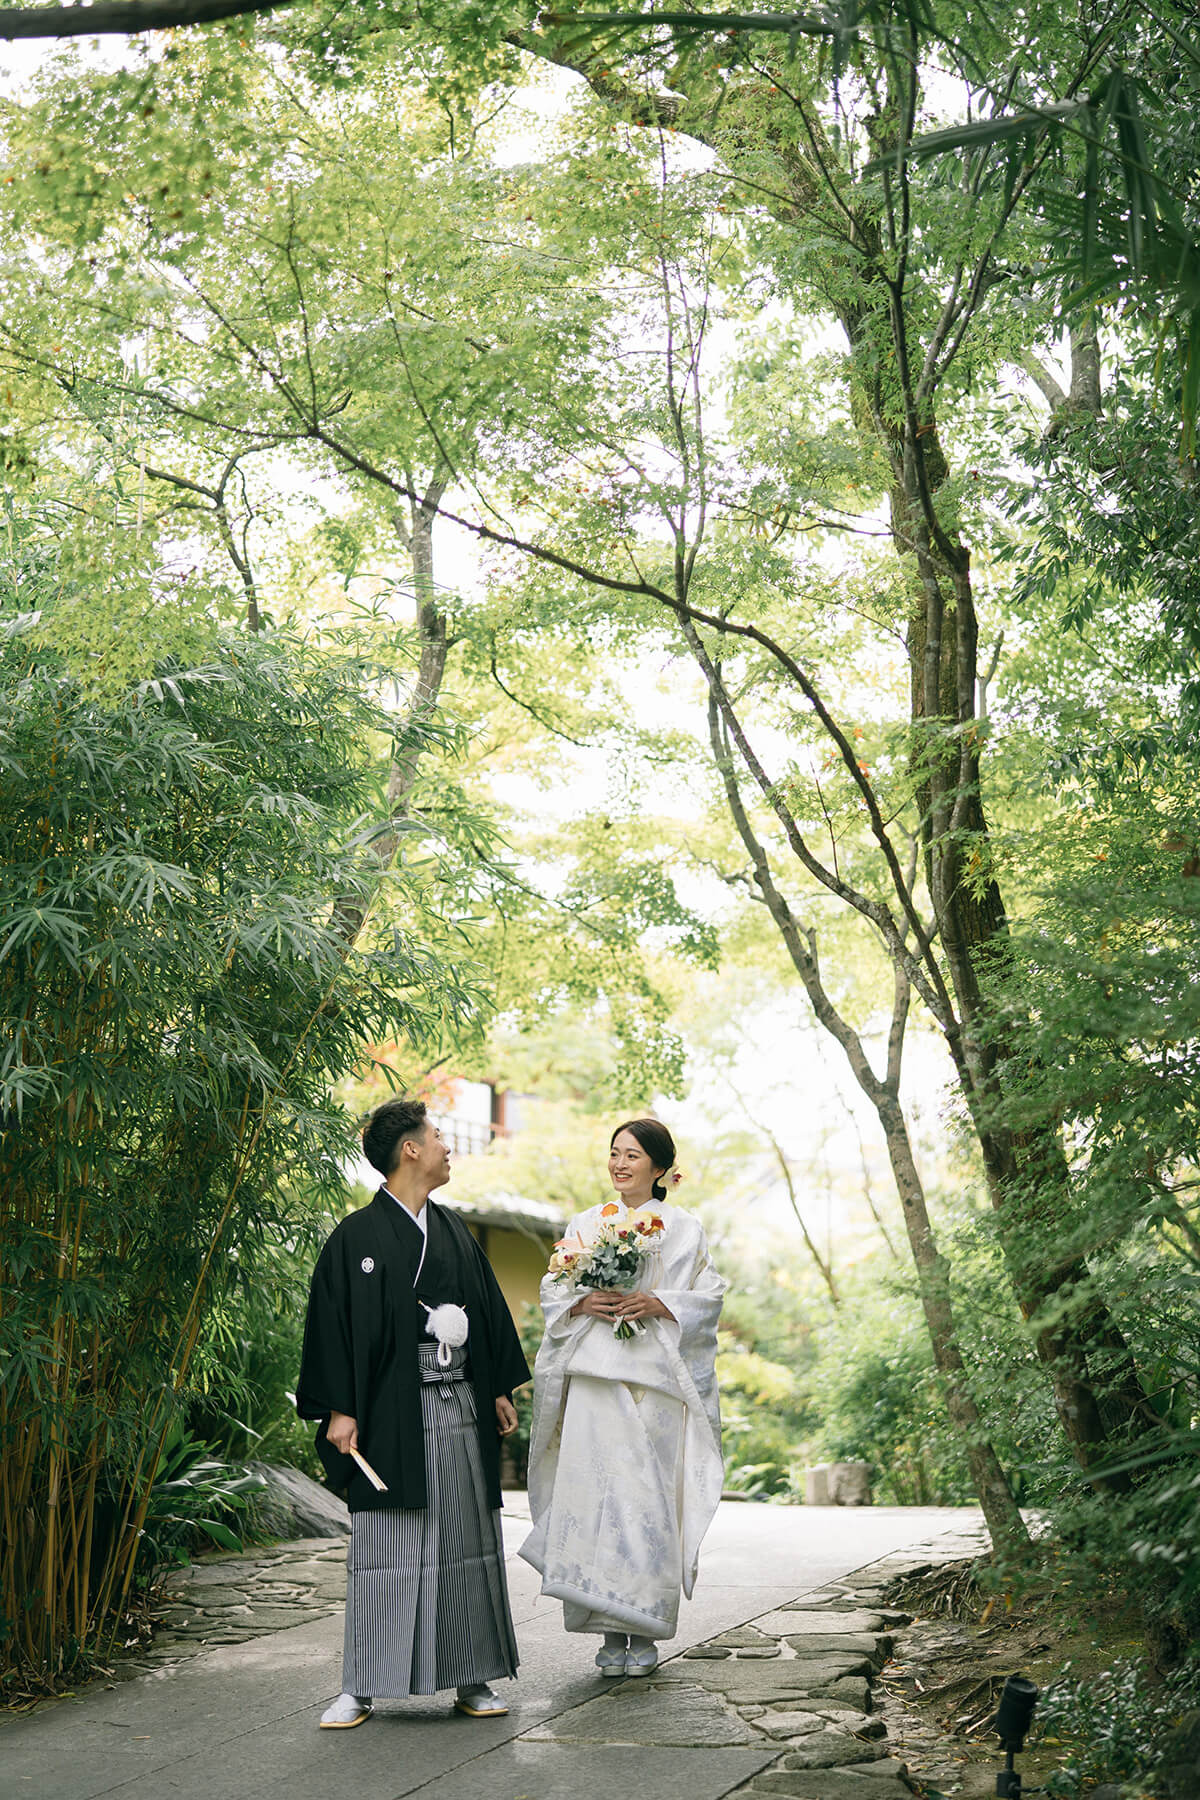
(625, 1464)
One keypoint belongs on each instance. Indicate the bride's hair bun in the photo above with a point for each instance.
(656, 1141)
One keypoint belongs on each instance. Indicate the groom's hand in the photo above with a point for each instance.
(506, 1415)
(343, 1432)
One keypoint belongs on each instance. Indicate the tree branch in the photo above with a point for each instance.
(126, 17)
(937, 997)
(640, 106)
(786, 923)
(1054, 393)
(238, 555)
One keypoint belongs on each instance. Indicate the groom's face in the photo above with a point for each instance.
(433, 1156)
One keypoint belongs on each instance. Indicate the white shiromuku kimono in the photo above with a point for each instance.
(625, 1467)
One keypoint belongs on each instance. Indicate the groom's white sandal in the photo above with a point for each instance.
(347, 1710)
(479, 1701)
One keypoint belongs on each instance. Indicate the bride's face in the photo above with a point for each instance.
(630, 1169)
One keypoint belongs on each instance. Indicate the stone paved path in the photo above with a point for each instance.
(766, 1691)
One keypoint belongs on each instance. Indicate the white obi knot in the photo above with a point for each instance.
(449, 1325)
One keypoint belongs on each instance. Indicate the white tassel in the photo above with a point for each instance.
(449, 1325)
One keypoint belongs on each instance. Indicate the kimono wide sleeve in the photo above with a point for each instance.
(506, 1362)
(327, 1374)
(558, 1297)
(696, 1309)
(328, 1381)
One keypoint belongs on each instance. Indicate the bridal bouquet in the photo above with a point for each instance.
(611, 1256)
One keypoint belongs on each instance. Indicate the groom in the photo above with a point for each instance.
(410, 1359)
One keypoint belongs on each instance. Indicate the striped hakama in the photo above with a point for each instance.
(426, 1596)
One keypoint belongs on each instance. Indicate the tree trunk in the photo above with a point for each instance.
(435, 645)
(1001, 1513)
(943, 664)
(417, 535)
(895, 411)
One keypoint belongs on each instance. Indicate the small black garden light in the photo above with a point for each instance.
(1013, 1718)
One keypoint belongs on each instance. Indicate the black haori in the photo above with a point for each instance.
(366, 1323)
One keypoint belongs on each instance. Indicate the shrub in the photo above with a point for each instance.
(178, 986)
(761, 1425)
(879, 1402)
(1111, 1724)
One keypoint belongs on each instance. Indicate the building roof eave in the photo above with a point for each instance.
(537, 1219)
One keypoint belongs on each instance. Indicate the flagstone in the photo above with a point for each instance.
(791, 1723)
(275, 1617)
(831, 1749)
(743, 1637)
(850, 1718)
(830, 1784)
(208, 1597)
(852, 1690)
(828, 1676)
(794, 1620)
(877, 1649)
(686, 1715)
(210, 1575)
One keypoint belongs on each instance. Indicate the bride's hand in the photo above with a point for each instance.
(642, 1306)
(597, 1305)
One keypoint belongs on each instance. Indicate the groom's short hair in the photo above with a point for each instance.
(387, 1128)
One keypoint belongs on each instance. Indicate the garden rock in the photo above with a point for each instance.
(1178, 1776)
(838, 1484)
(850, 1483)
(315, 1511)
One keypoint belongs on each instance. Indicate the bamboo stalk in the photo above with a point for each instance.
(183, 1357)
(84, 1559)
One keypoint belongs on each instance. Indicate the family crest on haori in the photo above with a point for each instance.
(625, 1467)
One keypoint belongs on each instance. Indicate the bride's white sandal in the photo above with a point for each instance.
(610, 1658)
(641, 1661)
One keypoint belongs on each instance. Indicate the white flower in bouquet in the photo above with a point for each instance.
(611, 1257)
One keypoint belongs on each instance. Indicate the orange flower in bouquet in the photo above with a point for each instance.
(612, 1257)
